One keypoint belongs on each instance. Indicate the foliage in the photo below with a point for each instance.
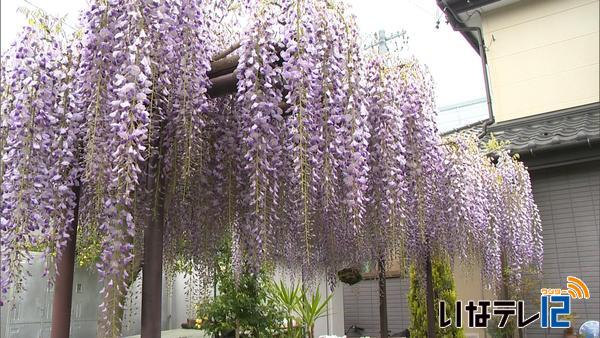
(243, 305)
(301, 306)
(42, 20)
(289, 300)
(312, 307)
(494, 144)
(443, 288)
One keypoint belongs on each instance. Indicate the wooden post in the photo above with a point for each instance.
(153, 250)
(430, 297)
(63, 285)
(152, 279)
(383, 315)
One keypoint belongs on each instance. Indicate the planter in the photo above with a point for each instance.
(189, 324)
(349, 276)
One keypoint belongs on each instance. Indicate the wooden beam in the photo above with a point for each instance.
(226, 52)
(223, 85)
(223, 66)
(223, 73)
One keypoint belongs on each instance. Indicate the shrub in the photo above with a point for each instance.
(443, 289)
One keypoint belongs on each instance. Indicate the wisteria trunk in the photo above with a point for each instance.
(383, 315)
(107, 327)
(430, 297)
(505, 287)
(63, 285)
(505, 278)
(120, 311)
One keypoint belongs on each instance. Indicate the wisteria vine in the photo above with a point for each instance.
(322, 158)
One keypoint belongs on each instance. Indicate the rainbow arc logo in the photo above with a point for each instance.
(576, 288)
(555, 303)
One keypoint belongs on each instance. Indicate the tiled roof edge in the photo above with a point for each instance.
(586, 108)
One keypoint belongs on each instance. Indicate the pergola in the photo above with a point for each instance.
(223, 79)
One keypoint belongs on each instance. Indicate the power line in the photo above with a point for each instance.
(423, 9)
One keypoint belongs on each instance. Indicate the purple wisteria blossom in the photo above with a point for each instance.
(387, 185)
(304, 120)
(321, 159)
(38, 138)
(113, 95)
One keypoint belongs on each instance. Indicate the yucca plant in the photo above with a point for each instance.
(301, 305)
(289, 300)
(312, 308)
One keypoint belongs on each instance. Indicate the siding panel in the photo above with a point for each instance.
(568, 199)
(361, 306)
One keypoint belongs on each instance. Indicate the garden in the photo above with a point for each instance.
(227, 140)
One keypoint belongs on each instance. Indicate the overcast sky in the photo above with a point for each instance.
(455, 66)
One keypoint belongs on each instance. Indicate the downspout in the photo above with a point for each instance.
(459, 26)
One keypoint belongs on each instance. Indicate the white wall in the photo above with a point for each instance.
(31, 314)
(542, 56)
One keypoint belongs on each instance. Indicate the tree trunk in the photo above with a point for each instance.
(431, 318)
(505, 282)
(63, 285)
(133, 271)
(383, 315)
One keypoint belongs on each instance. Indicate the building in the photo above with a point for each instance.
(541, 61)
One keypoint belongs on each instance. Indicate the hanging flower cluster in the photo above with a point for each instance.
(113, 93)
(492, 204)
(518, 226)
(304, 135)
(38, 138)
(320, 159)
(428, 223)
(387, 183)
(469, 175)
(455, 201)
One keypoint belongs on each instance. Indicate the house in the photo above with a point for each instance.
(542, 60)
(541, 64)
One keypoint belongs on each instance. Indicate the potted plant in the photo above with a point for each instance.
(350, 276)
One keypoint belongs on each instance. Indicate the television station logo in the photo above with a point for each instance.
(555, 306)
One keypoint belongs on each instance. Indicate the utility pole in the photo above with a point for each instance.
(381, 41)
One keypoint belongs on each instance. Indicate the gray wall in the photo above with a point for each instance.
(569, 201)
(361, 305)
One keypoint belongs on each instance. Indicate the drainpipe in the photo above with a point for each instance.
(459, 26)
